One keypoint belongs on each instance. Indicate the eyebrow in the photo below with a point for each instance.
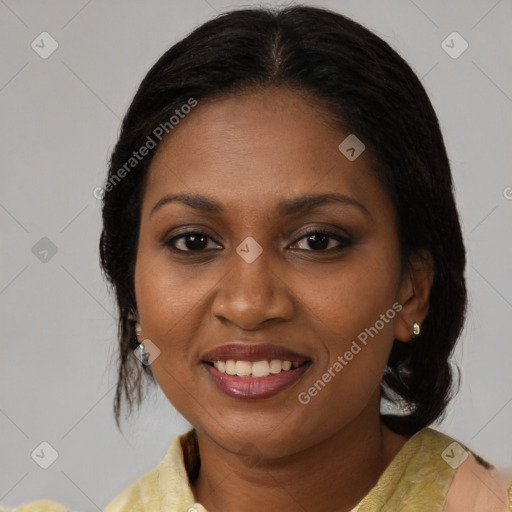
(286, 207)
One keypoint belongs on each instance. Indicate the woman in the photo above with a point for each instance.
(280, 231)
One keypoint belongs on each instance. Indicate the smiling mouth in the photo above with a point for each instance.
(259, 379)
(255, 369)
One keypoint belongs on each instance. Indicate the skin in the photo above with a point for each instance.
(248, 152)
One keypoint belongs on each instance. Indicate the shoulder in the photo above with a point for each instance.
(472, 483)
(479, 485)
(433, 472)
(39, 506)
(141, 492)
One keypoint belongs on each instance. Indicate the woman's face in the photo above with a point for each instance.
(259, 282)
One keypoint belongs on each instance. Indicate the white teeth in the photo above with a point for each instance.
(230, 367)
(275, 366)
(243, 368)
(262, 368)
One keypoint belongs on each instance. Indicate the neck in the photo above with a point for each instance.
(332, 475)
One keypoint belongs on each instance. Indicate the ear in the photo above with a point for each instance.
(414, 294)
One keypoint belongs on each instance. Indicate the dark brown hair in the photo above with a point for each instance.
(368, 88)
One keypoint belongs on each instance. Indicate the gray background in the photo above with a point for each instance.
(60, 117)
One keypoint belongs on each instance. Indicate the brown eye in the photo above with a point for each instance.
(191, 241)
(319, 240)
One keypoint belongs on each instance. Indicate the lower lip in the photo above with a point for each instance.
(255, 387)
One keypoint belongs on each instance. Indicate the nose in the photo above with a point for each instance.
(253, 293)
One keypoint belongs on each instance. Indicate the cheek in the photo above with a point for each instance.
(165, 306)
(351, 297)
(166, 296)
(172, 302)
(167, 310)
(355, 317)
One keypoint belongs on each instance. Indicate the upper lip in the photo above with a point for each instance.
(250, 352)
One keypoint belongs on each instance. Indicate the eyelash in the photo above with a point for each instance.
(344, 242)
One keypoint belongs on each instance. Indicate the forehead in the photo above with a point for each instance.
(255, 146)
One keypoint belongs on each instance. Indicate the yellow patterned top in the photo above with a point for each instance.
(431, 472)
